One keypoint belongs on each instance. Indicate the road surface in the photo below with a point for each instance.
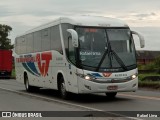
(13, 97)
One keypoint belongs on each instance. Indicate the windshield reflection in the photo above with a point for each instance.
(94, 44)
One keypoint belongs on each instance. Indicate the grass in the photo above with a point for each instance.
(148, 83)
(13, 75)
(141, 76)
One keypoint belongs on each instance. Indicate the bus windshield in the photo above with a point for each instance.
(108, 49)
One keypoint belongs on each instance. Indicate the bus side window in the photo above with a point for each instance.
(37, 41)
(56, 39)
(18, 45)
(29, 42)
(46, 43)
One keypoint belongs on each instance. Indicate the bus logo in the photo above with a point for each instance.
(42, 60)
(106, 74)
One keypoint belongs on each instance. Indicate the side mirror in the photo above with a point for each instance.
(74, 36)
(141, 38)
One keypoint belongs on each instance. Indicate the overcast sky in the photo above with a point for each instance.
(141, 15)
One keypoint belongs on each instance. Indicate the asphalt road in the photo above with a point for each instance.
(13, 97)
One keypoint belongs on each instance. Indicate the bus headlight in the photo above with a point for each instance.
(87, 77)
(133, 76)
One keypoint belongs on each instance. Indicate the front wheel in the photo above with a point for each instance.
(111, 94)
(62, 89)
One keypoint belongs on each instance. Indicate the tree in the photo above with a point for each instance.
(4, 40)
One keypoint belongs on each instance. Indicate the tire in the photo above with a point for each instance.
(9, 75)
(111, 95)
(62, 89)
(28, 87)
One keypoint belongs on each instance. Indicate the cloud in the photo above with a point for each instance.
(137, 19)
(151, 36)
(5, 12)
(26, 14)
(145, 15)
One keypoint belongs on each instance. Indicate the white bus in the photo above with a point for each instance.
(84, 54)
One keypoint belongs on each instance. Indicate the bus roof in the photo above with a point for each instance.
(96, 21)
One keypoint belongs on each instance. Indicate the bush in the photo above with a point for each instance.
(155, 65)
(149, 84)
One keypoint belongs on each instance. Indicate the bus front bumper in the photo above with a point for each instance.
(86, 86)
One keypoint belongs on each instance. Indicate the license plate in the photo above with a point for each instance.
(114, 87)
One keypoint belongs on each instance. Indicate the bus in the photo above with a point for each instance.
(82, 54)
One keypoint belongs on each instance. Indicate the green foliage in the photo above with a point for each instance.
(13, 73)
(140, 67)
(150, 66)
(142, 76)
(149, 84)
(155, 65)
(4, 40)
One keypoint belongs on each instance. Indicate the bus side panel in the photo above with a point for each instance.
(39, 68)
(42, 68)
(19, 70)
(71, 71)
(33, 65)
(57, 64)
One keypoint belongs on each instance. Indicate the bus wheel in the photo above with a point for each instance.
(28, 87)
(111, 94)
(62, 89)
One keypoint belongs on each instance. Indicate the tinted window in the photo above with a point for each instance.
(37, 41)
(46, 43)
(55, 39)
(20, 45)
(29, 41)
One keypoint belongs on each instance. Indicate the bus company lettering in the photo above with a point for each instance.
(26, 59)
(89, 53)
(42, 59)
(121, 75)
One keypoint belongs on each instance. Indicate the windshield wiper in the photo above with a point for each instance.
(110, 53)
(105, 53)
(102, 59)
(118, 59)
